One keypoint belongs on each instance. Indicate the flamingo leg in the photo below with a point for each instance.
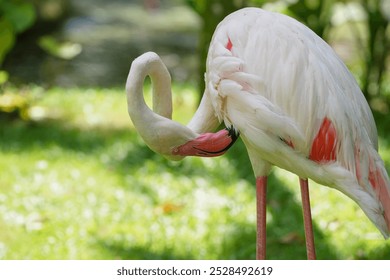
(261, 198)
(310, 248)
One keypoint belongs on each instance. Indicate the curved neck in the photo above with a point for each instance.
(156, 127)
(204, 119)
(151, 65)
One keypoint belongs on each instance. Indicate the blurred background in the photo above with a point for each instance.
(76, 180)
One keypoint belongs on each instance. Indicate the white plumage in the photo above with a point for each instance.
(278, 81)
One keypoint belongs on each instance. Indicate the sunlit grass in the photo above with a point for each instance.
(80, 184)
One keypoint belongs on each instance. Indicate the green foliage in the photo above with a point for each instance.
(7, 38)
(15, 17)
(211, 13)
(316, 14)
(378, 47)
(3, 77)
(20, 13)
(65, 50)
(13, 105)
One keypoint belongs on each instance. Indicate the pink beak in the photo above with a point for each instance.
(208, 144)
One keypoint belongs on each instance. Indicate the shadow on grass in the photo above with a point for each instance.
(119, 251)
(19, 136)
(382, 253)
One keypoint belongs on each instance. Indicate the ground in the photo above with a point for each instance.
(77, 182)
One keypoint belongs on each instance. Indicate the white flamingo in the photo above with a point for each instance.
(292, 100)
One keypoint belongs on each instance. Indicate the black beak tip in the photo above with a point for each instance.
(233, 133)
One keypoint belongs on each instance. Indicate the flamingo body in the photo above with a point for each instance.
(276, 83)
(297, 106)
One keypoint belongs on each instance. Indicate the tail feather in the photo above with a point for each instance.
(379, 181)
(372, 176)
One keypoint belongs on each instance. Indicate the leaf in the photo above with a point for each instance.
(7, 38)
(3, 77)
(66, 50)
(198, 6)
(10, 102)
(21, 14)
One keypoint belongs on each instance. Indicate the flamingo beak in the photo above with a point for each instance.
(208, 144)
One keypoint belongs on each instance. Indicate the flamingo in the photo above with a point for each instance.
(283, 90)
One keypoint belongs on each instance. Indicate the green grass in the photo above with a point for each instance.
(81, 184)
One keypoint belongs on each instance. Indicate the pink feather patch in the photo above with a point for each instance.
(323, 148)
(379, 185)
(229, 45)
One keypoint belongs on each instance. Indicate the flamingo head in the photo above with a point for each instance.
(208, 144)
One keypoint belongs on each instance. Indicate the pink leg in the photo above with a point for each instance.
(261, 198)
(310, 249)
